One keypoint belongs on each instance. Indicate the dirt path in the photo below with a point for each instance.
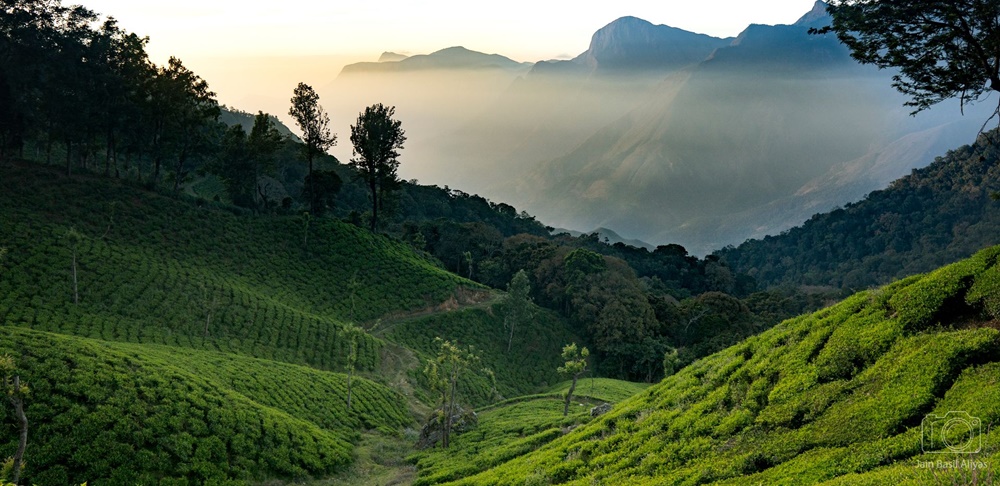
(463, 298)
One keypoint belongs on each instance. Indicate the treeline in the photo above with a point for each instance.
(645, 313)
(85, 87)
(936, 215)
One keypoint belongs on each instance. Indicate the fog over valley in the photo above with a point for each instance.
(660, 134)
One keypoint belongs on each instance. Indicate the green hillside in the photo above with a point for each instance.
(156, 270)
(604, 389)
(835, 397)
(516, 427)
(120, 413)
(531, 363)
(199, 342)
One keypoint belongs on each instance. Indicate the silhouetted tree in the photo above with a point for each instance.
(314, 123)
(235, 167)
(377, 139)
(943, 49)
(264, 142)
(181, 112)
(321, 189)
(245, 159)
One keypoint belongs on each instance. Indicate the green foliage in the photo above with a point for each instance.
(604, 389)
(149, 413)
(517, 305)
(575, 360)
(246, 159)
(170, 273)
(528, 368)
(839, 395)
(503, 433)
(942, 50)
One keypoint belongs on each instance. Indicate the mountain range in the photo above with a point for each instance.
(665, 135)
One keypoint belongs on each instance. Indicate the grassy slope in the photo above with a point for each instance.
(606, 389)
(155, 270)
(837, 396)
(516, 427)
(121, 413)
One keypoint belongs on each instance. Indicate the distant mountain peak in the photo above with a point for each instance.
(818, 14)
(456, 57)
(391, 57)
(634, 43)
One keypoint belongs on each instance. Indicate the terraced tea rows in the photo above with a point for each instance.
(117, 413)
(836, 397)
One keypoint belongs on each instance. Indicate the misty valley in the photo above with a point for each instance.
(671, 259)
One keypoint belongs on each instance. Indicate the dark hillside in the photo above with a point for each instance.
(934, 216)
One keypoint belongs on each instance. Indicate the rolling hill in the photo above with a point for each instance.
(190, 342)
(854, 394)
(119, 413)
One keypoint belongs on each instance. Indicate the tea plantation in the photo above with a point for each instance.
(516, 427)
(175, 341)
(151, 269)
(120, 413)
(171, 341)
(836, 397)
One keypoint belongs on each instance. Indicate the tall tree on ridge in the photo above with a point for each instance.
(377, 139)
(314, 123)
(263, 142)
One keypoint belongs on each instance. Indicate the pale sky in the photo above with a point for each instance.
(525, 30)
(253, 53)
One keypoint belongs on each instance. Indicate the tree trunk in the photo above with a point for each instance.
(179, 173)
(449, 412)
(18, 401)
(511, 338)
(109, 153)
(76, 294)
(569, 396)
(69, 158)
(374, 188)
